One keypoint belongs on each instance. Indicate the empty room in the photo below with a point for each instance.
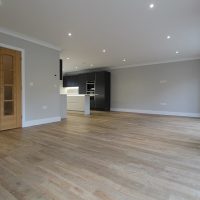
(100, 100)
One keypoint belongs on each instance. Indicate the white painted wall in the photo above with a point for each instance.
(171, 89)
(41, 86)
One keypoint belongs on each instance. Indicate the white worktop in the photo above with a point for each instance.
(78, 95)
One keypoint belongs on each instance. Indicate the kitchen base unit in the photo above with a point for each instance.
(79, 103)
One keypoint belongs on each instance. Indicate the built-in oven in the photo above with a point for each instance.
(90, 89)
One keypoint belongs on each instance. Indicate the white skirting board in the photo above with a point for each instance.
(41, 121)
(180, 114)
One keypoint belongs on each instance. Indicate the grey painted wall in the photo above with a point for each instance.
(41, 63)
(144, 87)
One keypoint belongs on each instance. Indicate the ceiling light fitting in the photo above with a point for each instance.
(168, 37)
(151, 5)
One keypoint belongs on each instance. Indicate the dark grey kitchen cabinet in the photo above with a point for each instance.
(90, 76)
(71, 81)
(101, 81)
(102, 91)
(82, 83)
(66, 81)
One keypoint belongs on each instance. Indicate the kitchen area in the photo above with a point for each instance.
(87, 91)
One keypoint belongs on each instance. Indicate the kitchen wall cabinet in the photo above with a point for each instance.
(90, 76)
(71, 81)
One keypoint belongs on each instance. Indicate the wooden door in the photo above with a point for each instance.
(10, 89)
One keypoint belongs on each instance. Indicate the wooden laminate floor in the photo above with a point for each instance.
(107, 156)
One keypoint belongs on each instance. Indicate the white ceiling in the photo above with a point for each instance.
(125, 28)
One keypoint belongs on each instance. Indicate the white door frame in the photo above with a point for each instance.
(23, 78)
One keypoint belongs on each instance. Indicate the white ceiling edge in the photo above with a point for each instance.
(153, 63)
(27, 38)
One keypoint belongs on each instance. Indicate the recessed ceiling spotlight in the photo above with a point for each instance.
(76, 67)
(69, 34)
(177, 52)
(68, 58)
(91, 65)
(104, 50)
(124, 60)
(168, 37)
(151, 5)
